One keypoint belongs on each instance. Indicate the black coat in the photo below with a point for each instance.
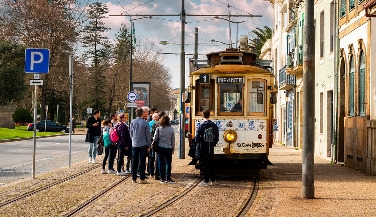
(92, 131)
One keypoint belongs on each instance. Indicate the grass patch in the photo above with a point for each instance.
(21, 132)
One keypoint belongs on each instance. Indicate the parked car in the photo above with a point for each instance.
(172, 122)
(51, 126)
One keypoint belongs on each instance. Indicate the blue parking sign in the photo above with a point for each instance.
(37, 60)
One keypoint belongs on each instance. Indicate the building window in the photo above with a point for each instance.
(351, 5)
(322, 34)
(321, 113)
(352, 87)
(342, 12)
(362, 84)
(332, 25)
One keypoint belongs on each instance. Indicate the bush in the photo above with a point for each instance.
(22, 115)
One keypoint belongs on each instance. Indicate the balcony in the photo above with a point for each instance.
(295, 62)
(286, 81)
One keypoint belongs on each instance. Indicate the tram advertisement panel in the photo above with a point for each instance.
(142, 89)
(251, 136)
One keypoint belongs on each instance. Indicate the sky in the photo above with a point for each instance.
(153, 30)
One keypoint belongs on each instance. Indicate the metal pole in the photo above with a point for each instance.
(35, 128)
(308, 189)
(182, 83)
(71, 61)
(130, 71)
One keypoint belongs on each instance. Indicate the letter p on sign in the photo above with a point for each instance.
(37, 60)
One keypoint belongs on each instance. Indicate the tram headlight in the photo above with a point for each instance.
(230, 136)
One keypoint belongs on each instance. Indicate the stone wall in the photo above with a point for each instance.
(6, 119)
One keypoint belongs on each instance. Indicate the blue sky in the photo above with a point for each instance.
(155, 29)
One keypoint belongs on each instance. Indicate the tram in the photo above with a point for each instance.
(239, 91)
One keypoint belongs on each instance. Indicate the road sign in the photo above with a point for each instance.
(36, 82)
(132, 96)
(37, 60)
(132, 105)
(36, 76)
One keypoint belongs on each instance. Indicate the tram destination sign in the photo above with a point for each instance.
(227, 80)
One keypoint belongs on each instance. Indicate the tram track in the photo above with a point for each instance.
(172, 200)
(96, 197)
(251, 198)
(47, 186)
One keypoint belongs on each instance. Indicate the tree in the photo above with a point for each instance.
(262, 35)
(12, 75)
(99, 49)
(49, 24)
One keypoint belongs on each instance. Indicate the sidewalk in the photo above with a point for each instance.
(339, 191)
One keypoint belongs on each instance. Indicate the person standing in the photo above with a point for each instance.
(124, 144)
(151, 160)
(73, 124)
(207, 148)
(107, 145)
(93, 133)
(153, 110)
(166, 148)
(140, 134)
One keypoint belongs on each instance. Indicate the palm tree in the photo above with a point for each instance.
(262, 35)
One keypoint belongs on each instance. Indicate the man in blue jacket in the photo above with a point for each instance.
(140, 134)
(206, 146)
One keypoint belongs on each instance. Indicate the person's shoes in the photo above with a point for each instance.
(212, 183)
(89, 159)
(204, 184)
(193, 162)
(93, 160)
(134, 182)
(120, 173)
(127, 171)
(170, 181)
(157, 178)
(162, 181)
(143, 182)
(104, 171)
(111, 172)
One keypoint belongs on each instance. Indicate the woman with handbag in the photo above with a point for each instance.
(166, 146)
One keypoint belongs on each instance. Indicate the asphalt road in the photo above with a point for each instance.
(51, 153)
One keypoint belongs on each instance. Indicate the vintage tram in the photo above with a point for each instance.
(239, 91)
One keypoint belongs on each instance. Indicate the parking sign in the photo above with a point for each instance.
(37, 60)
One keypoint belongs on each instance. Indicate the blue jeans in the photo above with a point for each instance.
(164, 162)
(93, 148)
(139, 161)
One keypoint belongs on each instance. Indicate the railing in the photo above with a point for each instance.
(286, 81)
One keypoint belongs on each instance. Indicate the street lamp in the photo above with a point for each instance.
(237, 28)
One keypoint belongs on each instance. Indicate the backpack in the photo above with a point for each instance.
(114, 135)
(106, 139)
(209, 135)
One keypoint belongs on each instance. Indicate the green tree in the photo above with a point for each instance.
(12, 75)
(262, 35)
(22, 115)
(98, 51)
(49, 24)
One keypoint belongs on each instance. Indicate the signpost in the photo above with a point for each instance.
(37, 61)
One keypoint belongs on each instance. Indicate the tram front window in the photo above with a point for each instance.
(231, 97)
(256, 96)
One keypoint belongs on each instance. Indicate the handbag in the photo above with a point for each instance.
(155, 143)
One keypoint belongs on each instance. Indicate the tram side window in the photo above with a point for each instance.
(230, 99)
(204, 99)
(256, 96)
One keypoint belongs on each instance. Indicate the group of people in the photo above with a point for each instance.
(135, 143)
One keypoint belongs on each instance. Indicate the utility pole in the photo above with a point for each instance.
(182, 16)
(308, 189)
(182, 83)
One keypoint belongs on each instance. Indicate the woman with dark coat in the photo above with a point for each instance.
(93, 133)
(124, 144)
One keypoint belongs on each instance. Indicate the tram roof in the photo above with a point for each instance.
(232, 60)
(230, 69)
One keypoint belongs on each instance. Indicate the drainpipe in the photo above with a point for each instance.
(335, 94)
